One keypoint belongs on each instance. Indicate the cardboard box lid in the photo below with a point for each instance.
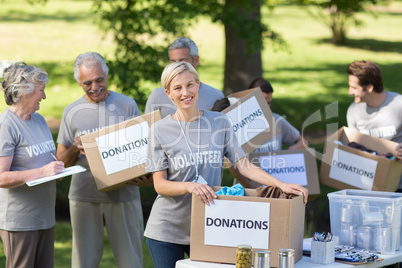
(286, 228)
(112, 173)
(254, 111)
(292, 166)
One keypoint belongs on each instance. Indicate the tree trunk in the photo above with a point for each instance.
(338, 28)
(338, 37)
(241, 65)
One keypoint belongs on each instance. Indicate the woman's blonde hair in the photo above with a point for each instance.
(174, 69)
(20, 79)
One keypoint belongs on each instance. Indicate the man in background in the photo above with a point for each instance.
(375, 112)
(182, 49)
(119, 210)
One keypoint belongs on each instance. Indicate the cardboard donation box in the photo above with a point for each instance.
(344, 167)
(252, 119)
(117, 154)
(263, 223)
(291, 166)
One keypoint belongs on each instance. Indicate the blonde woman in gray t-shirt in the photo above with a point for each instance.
(186, 153)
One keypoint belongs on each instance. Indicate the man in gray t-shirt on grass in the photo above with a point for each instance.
(182, 49)
(375, 112)
(91, 210)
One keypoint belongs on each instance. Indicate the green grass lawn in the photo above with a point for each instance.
(308, 78)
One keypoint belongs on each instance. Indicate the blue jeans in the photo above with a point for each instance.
(164, 254)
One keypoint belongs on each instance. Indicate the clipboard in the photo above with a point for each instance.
(66, 172)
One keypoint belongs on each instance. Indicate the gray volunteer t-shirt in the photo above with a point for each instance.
(158, 99)
(83, 117)
(288, 136)
(169, 220)
(384, 121)
(30, 142)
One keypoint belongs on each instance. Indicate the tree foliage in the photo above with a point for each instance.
(33, 2)
(337, 15)
(143, 30)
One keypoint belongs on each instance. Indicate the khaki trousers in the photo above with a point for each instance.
(125, 230)
(28, 249)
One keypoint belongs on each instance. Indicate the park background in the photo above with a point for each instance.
(307, 76)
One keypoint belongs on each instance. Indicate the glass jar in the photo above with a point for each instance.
(243, 256)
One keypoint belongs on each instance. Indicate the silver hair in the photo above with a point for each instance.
(174, 69)
(89, 58)
(185, 42)
(20, 79)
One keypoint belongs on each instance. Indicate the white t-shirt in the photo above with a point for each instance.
(168, 149)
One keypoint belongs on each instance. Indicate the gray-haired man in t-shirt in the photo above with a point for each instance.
(119, 210)
(182, 49)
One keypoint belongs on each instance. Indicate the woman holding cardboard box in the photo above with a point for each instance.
(186, 153)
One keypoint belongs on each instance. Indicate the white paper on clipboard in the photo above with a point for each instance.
(66, 172)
